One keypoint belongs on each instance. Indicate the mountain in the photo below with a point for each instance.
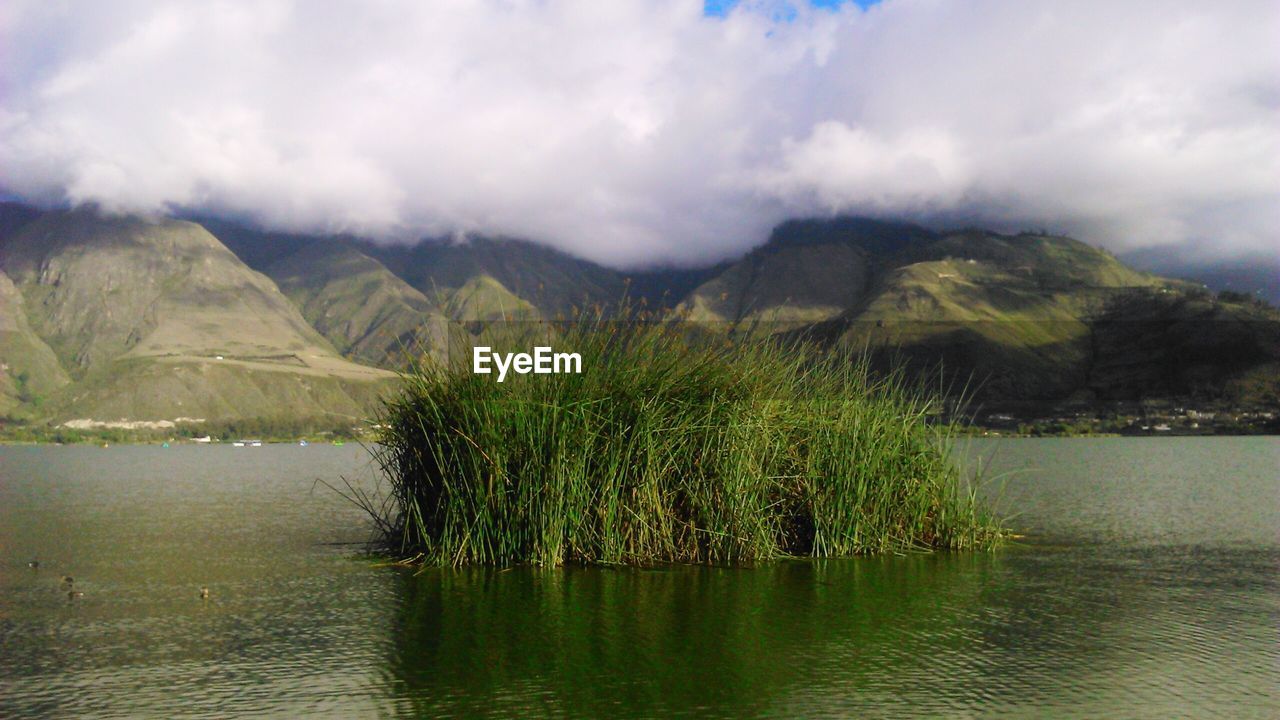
(543, 278)
(14, 217)
(1256, 275)
(1014, 320)
(364, 310)
(118, 317)
(151, 320)
(1167, 344)
(372, 301)
(809, 271)
(494, 270)
(551, 281)
(369, 313)
(1008, 315)
(813, 271)
(29, 370)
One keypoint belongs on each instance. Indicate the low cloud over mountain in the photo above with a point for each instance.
(641, 131)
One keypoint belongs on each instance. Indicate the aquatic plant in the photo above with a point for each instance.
(669, 448)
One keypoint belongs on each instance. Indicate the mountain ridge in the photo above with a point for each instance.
(150, 318)
(1025, 318)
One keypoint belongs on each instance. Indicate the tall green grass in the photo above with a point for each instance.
(669, 449)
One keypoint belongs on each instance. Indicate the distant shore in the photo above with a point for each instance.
(228, 434)
(1030, 428)
(1173, 421)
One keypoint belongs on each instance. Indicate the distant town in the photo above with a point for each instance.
(1147, 418)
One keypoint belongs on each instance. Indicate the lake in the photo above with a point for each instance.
(1146, 586)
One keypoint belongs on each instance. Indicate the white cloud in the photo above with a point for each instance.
(637, 130)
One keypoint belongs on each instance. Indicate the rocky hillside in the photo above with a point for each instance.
(146, 320)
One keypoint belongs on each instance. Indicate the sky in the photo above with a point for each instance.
(636, 132)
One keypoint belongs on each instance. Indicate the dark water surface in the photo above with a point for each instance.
(1147, 587)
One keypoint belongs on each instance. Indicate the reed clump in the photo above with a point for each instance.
(669, 449)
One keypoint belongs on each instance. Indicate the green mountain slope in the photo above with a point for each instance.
(368, 313)
(1016, 319)
(99, 287)
(1166, 344)
(159, 389)
(29, 370)
(123, 317)
(159, 317)
(1011, 315)
(812, 271)
(482, 299)
(473, 281)
(546, 279)
(373, 316)
(808, 272)
(438, 292)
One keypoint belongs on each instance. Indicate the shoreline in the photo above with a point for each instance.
(960, 432)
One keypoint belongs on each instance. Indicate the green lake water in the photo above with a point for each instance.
(1147, 586)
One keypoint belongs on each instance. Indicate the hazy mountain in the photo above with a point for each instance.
(546, 279)
(154, 320)
(1255, 275)
(551, 281)
(15, 216)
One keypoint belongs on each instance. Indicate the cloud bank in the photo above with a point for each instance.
(637, 131)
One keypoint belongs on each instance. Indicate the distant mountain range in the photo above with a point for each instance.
(120, 319)
(1257, 275)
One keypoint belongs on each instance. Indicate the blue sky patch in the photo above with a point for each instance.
(720, 8)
